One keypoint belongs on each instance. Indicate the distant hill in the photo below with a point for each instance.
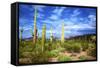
(82, 36)
(74, 37)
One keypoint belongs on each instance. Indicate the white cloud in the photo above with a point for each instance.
(76, 12)
(92, 17)
(74, 15)
(79, 27)
(54, 17)
(28, 27)
(57, 12)
(40, 15)
(39, 7)
(92, 20)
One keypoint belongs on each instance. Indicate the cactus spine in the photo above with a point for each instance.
(51, 35)
(62, 34)
(35, 28)
(43, 36)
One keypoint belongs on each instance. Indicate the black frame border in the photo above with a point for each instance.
(47, 4)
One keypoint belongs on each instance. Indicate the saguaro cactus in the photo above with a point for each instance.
(43, 36)
(62, 34)
(35, 28)
(21, 32)
(51, 35)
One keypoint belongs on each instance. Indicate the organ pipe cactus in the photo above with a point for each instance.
(43, 36)
(35, 28)
(62, 34)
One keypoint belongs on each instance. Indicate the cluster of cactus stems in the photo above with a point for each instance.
(62, 34)
(43, 36)
(51, 35)
(35, 28)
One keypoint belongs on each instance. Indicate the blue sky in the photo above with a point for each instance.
(77, 21)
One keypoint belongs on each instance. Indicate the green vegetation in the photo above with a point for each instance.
(83, 57)
(30, 54)
(40, 49)
(64, 58)
(92, 50)
(76, 47)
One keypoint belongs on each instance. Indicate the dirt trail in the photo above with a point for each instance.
(74, 56)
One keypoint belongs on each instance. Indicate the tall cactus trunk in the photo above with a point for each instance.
(43, 36)
(62, 34)
(51, 36)
(21, 31)
(35, 28)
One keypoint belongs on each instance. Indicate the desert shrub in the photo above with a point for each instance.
(27, 55)
(76, 48)
(60, 49)
(83, 57)
(64, 58)
(91, 50)
(25, 61)
(73, 47)
(84, 46)
(53, 46)
(53, 53)
(68, 47)
(39, 57)
(48, 46)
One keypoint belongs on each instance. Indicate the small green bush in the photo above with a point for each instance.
(39, 57)
(73, 47)
(76, 48)
(64, 58)
(53, 53)
(27, 55)
(60, 49)
(84, 46)
(68, 47)
(83, 57)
